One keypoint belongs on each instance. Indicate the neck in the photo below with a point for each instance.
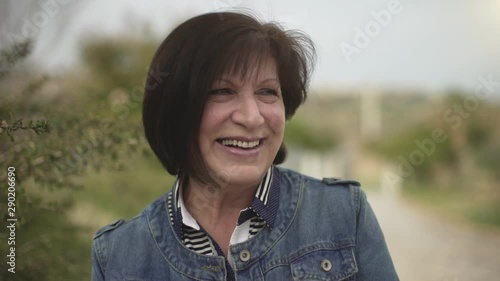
(217, 209)
(209, 205)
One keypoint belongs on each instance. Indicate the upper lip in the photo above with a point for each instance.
(239, 138)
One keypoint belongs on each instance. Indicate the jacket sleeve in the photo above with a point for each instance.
(374, 260)
(97, 274)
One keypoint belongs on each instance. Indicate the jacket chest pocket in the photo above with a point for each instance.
(325, 264)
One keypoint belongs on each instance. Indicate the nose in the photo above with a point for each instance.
(247, 112)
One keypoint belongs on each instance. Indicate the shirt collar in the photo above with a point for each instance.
(187, 218)
(265, 203)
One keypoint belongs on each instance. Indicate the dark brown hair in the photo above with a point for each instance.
(188, 61)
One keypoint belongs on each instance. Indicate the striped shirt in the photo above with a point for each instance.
(261, 213)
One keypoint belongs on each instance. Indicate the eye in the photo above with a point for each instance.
(268, 95)
(268, 91)
(222, 91)
(220, 95)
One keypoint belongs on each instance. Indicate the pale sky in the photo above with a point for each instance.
(425, 44)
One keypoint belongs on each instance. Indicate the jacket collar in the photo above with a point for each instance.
(196, 265)
(265, 203)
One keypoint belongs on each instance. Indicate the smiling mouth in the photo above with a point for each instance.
(240, 144)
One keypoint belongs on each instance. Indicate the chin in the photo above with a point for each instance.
(241, 174)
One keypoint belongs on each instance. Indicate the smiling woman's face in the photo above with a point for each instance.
(242, 126)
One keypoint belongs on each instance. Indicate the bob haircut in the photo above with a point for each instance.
(192, 57)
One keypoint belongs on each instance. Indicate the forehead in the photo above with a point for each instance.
(258, 69)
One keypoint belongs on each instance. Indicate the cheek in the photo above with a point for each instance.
(211, 118)
(276, 119)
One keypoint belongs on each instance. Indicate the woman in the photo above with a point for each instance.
(220, 89)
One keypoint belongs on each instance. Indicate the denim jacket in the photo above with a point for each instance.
(324, 230)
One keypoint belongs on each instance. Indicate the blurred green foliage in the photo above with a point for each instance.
(43, 234)
(462, 171)
(470, 138)
(94, 120)
(13, 55)
(298, 133)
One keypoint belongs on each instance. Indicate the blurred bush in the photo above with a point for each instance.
(453, 154)
(299, 134)
(43, 233)
(93, 116)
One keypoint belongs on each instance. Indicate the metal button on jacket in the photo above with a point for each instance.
(326, 265)
(244, 255)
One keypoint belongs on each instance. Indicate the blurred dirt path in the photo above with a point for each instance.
(427, 247)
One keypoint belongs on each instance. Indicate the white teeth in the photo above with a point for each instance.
(243, 144)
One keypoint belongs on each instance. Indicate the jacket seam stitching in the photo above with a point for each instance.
(101, 259)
